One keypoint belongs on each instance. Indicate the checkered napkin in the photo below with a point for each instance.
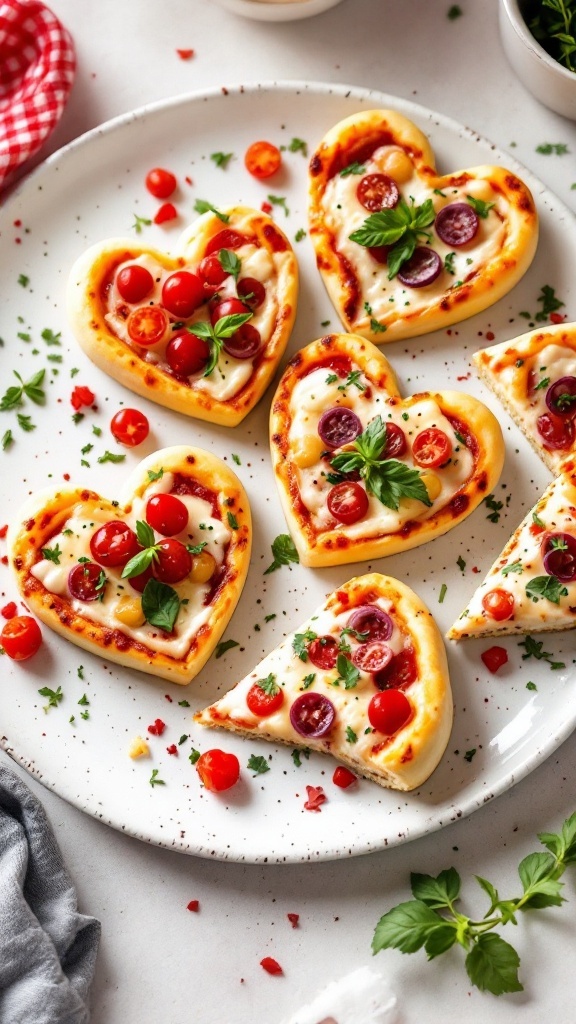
(47, 949)
(37, 65)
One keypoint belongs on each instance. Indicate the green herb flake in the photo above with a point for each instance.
(232, 521)
(347, 672)
(23, 280)
(546, 587)
(279, 201)
(469, 754)
(155, 474)
(442, 595)
(203, 206)
(301, 641)
(351, 736)
(495, 508)
(300, 234)
(183, 703)
(221, 159)
(194, 755)
(308, 680)
(461, 563)
(154, 780)
(297, 755)
(257, 764)
(32, 389)
(552, 148)
(513, 567)
(531, 686)
(353, 168)
(54, 697)
(52, 554)
(139, 223)
(284, 552)
(236, 459)
(7, 440)
(225, 645)
(480, 207)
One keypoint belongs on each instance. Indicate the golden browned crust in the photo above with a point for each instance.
(86, 310)
(539, 617)
(403, 761)
(45, 515)
(498, 367)
(354, 140)
(336, 546)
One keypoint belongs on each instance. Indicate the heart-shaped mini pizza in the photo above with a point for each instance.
(149, 580)
(364, 473)
(364, 679)
(200, 331)
(403, 250)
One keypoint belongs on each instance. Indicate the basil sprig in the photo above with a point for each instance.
(546, 586)
(402, 228)
(160, 604)
(389, 480)
(230, 262)
(215, 335)
(140, 562)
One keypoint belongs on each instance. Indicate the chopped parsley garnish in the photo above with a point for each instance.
(194, 755)
(258, 764)
(230, 262)
(531, 686)
(50, 337)
(460, 563)
(388, 480)
(442, 595)
(54, 697)
(139, 223)
(353, 379)
(203, 206)
(347, 672)
(513, 567)
(279, 201)
(269, 685)
(449, 262)
(308, 680)
(495, 508)
(25, 422)
(196, 549)
(298, 754)
(111, 457)
(7, 439)
(353, 168)
(23, 280)
(31, 388)
(155, 475)
(284, 552)
(351, 736)
(376, 326)
(549, 148)
(183, 703)
(232, 521)
(331, 378)
(479, 206)
(533, 649)
(52, 554)
(301, 641)
(83, 700)
(154, 780)
(469, 754)
(225, 645)
(460, 438)
(401, 228)
(221, 159)
(298, 146)
(300, 234)
(236, 459)
(542, 384)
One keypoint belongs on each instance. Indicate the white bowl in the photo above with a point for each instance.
(272, 10)
(550, 82)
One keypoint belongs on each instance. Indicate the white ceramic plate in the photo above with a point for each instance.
(94, 188)
(272, 10)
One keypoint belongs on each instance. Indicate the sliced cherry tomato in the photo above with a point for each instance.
(388, 711)
(400, 673)
(187, 354)
(21, 637)
(227, 307)
(114, 543)
(166, 514)
(377, 192)
(494, 658)
(218, 770)
(130, 427)
(251, 291)
(498, 604)
(343, 777)
(211, 270)
(431, 448)
(262, 703)
(323, 652)
(244, 343)
(160, 182)
(134, 282)
(396, 443)
(347, 502)
(262, 159)
(173, 562)
(182, 293)
(86, 581)
(556, 432)
(166, 212)
(225, 239)
(312, 714)
(373, 657)
(147, 325)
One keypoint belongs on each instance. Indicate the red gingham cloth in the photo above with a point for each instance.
(37, 65)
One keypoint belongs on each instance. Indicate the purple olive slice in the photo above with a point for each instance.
(456, 224)
(312, 715)
(561, 397)
(423, 267)
(370, 619)
(560, 556)
(85, 581)
(338, 426)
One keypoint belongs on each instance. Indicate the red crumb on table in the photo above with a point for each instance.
(172, 749)
(557, 318)
(157, 727)
(185, 54)
(266, 207)
(316, 797)
(271, 965)
(3, 531)
(293, 918)
(9, 610)
(194, 905)
(494, 658)
(166, 212)
(82, 396)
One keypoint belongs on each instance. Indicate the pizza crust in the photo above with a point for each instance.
(556, 510)
(46, 514)
(403, 761)
(498, 368)
(355, 280)
(341, 544)
(90, 279)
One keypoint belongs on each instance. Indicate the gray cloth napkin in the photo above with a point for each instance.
(47, 949)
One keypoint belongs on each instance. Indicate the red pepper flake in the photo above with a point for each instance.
(271, 965)
(4, 559)
(557, 318)
(168, 697)
(157, 728)
(185, 54)
(166, 212)
(465, 376)
(494, 658)
(475, 569)
(18, 241)
(490, 335)
(82, 396)
(66, 476)
(293, 918)
(172, 749)
(3, 531)
(17, 223)
(266, 207)
(188, 180)
(9, 610)
(316, 797)
(194, 906)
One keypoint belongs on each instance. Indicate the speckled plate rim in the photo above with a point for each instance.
(476, 795)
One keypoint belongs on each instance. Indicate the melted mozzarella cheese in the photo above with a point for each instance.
(552, 362)
(230, 375)
(74, 543)
(344, 214)
(312, 396)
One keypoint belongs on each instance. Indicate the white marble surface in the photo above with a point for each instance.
(159, 962)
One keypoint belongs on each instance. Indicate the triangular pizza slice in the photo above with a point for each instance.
(532, 585)
(534, 376)
(364, 679)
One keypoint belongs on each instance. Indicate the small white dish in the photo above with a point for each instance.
(272, 10)
(547, 80)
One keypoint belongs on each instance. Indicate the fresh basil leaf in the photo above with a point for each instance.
(225, 645)
(347, 672)
(480, 207)
(378, 229)
(226, 326)
(144, 533)
(230, 262)
(441, 891)
(441, 939)
(400, 254)
(203, 206)
(301, 641)
(346, 462)
(371, 441)
(139, 563)
(405, 927)
(492, 965)
(490, 890)
(393, 480)
(546, 587)
(160, 604)
(201, 329)
(284, 552)
(541, 889)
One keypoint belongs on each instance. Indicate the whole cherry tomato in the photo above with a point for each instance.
(263, 703)
(160, 182)
(173, 561)
(186, 353)
(21, 637)
(130, 427)
(113, 543)
(134, 282)
(166, 514)
(347, 502)
(218, 770)
(388, 711)
(262, 159)
(182, 293)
